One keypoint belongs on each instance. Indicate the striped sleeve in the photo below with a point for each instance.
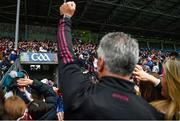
(65, 45)
(71, 79)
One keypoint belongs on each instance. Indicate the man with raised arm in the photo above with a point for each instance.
(114, 96)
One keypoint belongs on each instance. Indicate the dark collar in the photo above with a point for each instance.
(119, 84)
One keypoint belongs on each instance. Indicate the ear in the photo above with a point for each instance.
(100, 64)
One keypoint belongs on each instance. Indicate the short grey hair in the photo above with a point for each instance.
(120, 52)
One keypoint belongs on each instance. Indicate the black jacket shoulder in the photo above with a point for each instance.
(111, 99)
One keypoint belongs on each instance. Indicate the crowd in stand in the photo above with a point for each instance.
(123, 82)
(87, 54)
(37, 46)
(7, 44)
(8, 54)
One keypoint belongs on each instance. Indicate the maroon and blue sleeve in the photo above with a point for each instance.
(71, 78)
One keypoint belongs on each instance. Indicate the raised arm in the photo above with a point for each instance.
(49, 95)
(71, 77)
(64, 37)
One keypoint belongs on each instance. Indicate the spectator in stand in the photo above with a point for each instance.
(114, 97)
(13, 56)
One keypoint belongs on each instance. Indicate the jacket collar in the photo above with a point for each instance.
(119, 84)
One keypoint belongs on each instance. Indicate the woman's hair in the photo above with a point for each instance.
(148, 91)
(171, 105)
(14, 107)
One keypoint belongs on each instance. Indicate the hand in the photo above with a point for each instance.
(24, 82)
(140, 74)
(22, 89)
(68, 9)
(60, 116)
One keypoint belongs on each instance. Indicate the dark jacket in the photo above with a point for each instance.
(111, 98)
(50, 98)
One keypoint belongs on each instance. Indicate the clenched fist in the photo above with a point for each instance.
(68, 9)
